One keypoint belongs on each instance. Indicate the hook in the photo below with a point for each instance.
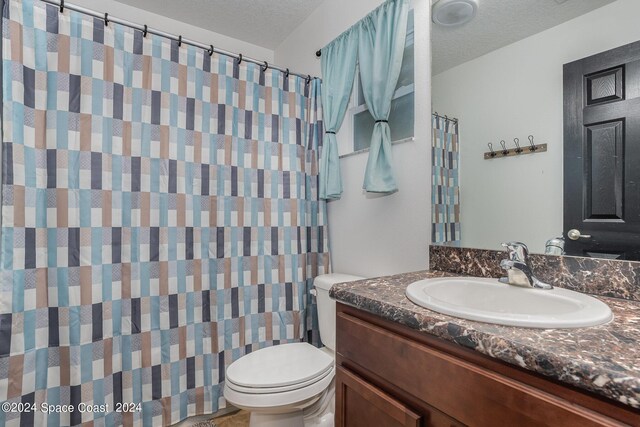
(179, 40)
(504, 147)
(264, 67)
(446, 118)
(145, 31)
(533, 146)
(492, 153)
(210, 50)
(307, 80)
(517, 142)
(318, 53)
(239, 59)
(286, 74)
(106, 19)
(61, 6)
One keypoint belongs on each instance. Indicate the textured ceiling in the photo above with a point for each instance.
(500, 23)
(264, 23)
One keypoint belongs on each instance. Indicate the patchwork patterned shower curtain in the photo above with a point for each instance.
(160, 218)
(445, 191)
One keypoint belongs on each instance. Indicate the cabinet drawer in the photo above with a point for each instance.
(364, 405)
(469, 393)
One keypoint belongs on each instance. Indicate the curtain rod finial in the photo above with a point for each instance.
(318, 53)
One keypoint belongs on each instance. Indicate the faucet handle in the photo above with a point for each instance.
(517, 251)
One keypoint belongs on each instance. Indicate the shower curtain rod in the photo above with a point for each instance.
(451, 119)
(145, 29)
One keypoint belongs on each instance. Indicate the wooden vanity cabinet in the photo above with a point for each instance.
(389, 375)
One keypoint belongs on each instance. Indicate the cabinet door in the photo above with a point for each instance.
(465, 391)
(360, 404)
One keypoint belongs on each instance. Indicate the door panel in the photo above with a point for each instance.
(604, 171)
(602, 154)
(604, 86)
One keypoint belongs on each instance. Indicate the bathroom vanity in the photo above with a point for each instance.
(402, 365)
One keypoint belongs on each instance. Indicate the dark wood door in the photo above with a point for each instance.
(602, 154)
(361, 404)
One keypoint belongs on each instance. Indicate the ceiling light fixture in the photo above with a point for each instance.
(453, 13)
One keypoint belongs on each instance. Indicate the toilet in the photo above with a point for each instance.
(291, 385)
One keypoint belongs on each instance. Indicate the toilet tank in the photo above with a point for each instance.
(327, 306)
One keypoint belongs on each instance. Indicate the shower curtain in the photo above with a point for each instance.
(445, 191)
(160, 218)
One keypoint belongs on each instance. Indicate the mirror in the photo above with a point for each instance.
(558, 82)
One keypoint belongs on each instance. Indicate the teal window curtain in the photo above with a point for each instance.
(377, 43)
(381, 46)
(338, 72)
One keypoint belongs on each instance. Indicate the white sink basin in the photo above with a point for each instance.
(488, 300)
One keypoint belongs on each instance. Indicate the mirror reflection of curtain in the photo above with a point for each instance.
(445, 192)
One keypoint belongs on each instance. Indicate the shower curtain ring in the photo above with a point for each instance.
(308, 80)
(239, 59)
(264, 67)
(106, 19)
(532, 145)
(517, 142)
(504, 147)
(145, 31)
(61, 6)
(179, 40)
(210, 50)
(286, 74)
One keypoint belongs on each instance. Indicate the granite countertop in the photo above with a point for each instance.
(602, 359)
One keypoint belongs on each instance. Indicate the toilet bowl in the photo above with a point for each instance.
(290, 385)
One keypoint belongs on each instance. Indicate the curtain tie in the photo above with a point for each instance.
(331, 132)
(382, 121)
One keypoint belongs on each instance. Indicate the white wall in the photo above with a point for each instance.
(374, 236)
(172, 26)
(514, 92)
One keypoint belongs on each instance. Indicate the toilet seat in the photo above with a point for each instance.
(298, 398)
(279, 368)
(290, 387)
(278, 376)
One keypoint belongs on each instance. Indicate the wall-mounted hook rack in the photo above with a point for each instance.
(517, 151)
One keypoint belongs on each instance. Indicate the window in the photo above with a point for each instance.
(401, 117)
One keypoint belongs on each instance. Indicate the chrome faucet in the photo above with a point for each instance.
(519, 272)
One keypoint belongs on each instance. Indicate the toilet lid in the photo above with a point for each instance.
(280, 366)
